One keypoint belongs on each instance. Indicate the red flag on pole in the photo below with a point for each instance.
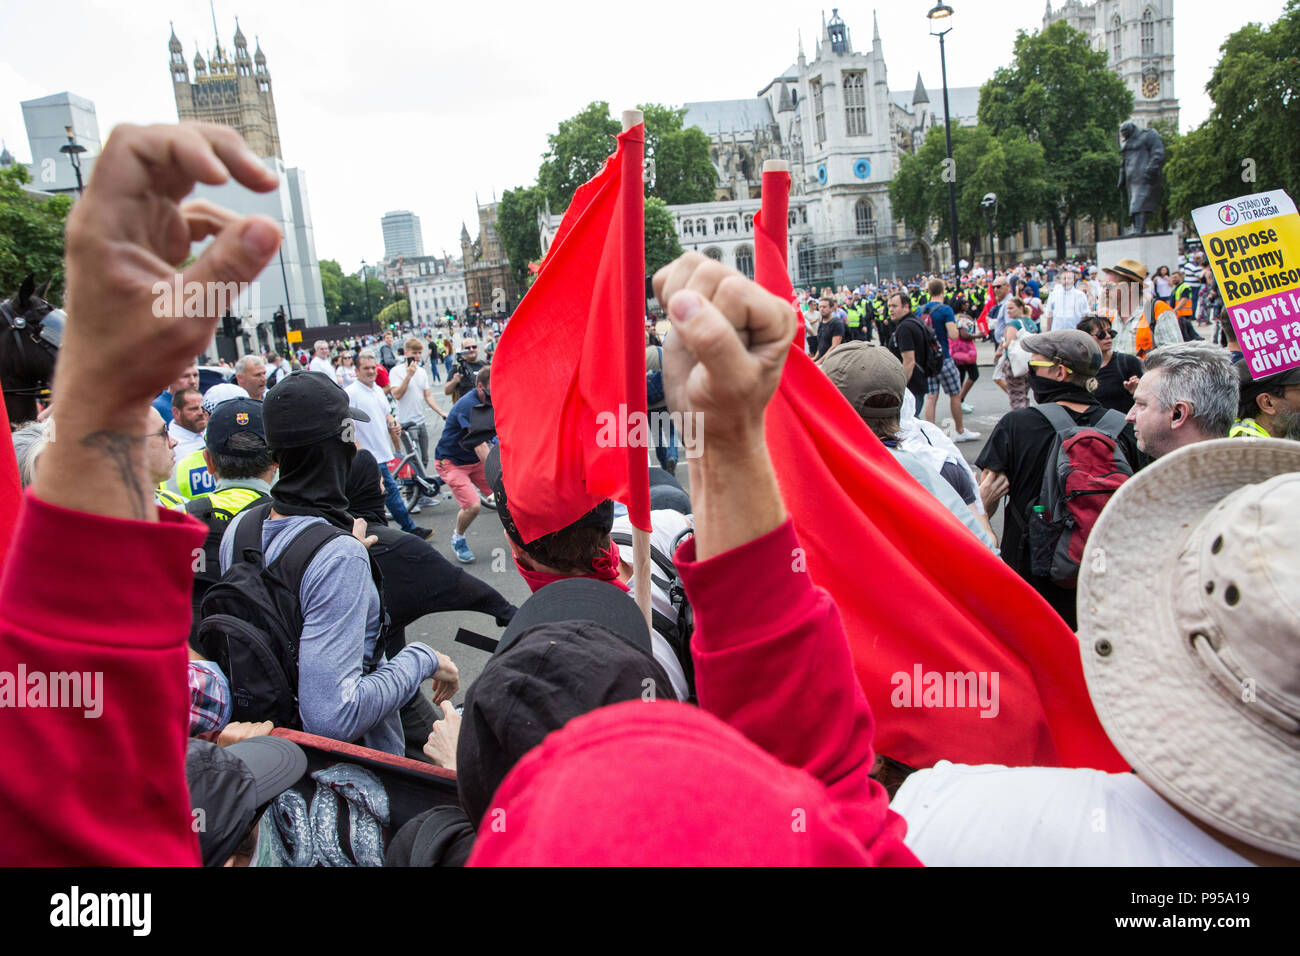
(568, 379)
(959, 658)
(771, 269)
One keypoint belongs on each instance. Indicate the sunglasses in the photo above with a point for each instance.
(1103, 334)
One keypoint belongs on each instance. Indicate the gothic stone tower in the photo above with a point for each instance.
(233, 92)
(1138, 39)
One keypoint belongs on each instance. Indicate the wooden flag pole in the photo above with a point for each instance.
(640, 539)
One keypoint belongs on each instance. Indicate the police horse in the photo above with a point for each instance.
(29, 344)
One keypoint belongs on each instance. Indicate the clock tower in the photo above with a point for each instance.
(1137, 37)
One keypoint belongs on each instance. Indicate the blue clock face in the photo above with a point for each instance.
(862, 169)
(821, 175)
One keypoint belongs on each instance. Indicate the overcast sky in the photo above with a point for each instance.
(405, 105)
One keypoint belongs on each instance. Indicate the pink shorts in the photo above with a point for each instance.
(465, 481)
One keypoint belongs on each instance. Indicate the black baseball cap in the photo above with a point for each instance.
(1257, 386)
(231, 785)
(234, 417)
(581, 599)
(304, 408)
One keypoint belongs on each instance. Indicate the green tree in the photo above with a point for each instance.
(661, 244)
(1059, 93)
(1248, 142)
(517, 226)
(395, 313)
(331, 284)
(577, 150)
(1010, 166)
(31, 235)
(683, 170)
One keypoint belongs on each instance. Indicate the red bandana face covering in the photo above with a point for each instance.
(605, 568)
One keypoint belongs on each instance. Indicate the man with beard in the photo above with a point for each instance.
(1063, 366)
(348, 688)
(1269, 406)
(189, 418)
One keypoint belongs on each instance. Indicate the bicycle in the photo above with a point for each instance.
(412, 480)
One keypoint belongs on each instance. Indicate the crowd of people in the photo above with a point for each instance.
(245, 528)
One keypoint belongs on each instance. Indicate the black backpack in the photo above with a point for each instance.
(930, 358)
(208, 571)
(678, 629)
(251, 620)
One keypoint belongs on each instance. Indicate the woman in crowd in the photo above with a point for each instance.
(1016, 386)
(345, 372)
(1119, 373)
(1164, 285)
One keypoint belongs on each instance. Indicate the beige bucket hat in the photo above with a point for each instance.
(1189, 627)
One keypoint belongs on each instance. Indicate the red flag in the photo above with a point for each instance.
(568, 382)
(11, 494)
(959, 658)
(770, 262)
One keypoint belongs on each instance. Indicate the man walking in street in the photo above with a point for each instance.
(1066, 305)
(374, 436)
(943, 322)
(462, 468)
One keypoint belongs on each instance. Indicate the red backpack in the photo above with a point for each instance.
(1084, 468)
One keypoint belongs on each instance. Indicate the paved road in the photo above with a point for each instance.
(495, 565)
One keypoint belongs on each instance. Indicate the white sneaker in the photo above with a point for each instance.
(966, 435)
(967, 408)
(426, 502)
(414, 509)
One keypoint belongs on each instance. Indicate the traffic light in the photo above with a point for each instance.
(230, 325)
(278, 323)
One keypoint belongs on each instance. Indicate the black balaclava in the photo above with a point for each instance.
(1050, 390)
(313, 481)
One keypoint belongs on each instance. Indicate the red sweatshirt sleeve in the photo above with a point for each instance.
(94, 616)
(771, 660)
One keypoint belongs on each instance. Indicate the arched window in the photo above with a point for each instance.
(794, 217)
(745, 260)
(731, 223)
(713, 252)
(803, 215)
(702, 227)
(855, 104)
(688, 227)
(749, 222)
(805, 260)
(717, 225)
(1116, 40)
(1148, 33)
(864, 219)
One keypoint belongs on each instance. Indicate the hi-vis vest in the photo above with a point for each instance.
(192, 477)
(1146, 329)
(231, 500)
(167, 499)
(1248, 428)
(855, 317)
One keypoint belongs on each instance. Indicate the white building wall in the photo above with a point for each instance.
(46, 119)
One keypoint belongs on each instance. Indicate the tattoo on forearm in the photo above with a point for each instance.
(117, 448)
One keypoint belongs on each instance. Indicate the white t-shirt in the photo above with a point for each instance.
(1067, 306)
(410, 407)
(990, 815)
(186, 440)
(346, 375)
(665, 526)
(372, 435)
(319, 364)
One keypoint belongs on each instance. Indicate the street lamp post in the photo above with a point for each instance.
(370, 323)
(74, 151)
(940, 27)
(990, 204)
